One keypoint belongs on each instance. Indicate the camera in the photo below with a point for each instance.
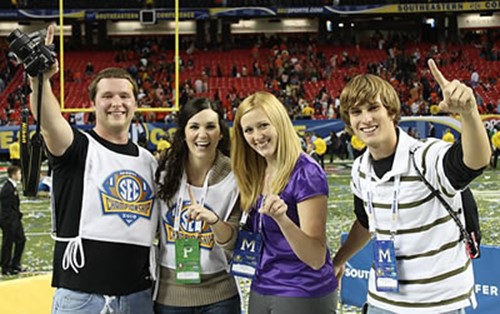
(31, 51)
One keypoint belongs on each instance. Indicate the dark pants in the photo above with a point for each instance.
(13, 236)
(229, 306)
(269, 304)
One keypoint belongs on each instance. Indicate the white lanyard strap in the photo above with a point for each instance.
(394, 205)
(244, 216)
(180, 200)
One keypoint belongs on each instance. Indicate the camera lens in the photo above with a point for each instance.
(15, 34)
(20, 45)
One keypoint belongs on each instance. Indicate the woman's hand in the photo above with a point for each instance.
(274, 207)
(197, 212)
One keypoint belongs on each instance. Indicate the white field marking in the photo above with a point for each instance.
(37, 234)
(493, 194)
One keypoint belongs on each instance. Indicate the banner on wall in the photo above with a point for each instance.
(154, 131)
(486, 274)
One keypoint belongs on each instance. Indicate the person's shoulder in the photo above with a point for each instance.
(221, 168)
(145, 152)
(7, 186)
(307, 164)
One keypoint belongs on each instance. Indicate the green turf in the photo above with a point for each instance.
(38, 252)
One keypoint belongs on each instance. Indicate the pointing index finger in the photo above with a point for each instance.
(49, 38)
(438, 76)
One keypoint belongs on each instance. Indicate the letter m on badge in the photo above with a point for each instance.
(384, 255)
(248, 245)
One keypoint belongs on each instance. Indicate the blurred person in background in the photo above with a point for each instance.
(13, 238)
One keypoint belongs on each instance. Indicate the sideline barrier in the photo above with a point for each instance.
(486, 272)
(153, 131)
(31, 295)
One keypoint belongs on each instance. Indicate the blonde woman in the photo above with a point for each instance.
(284, 192)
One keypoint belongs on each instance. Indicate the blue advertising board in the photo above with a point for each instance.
(486, 274)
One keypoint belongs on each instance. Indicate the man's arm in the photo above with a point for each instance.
(56, 130)
(358, 237)
(8, 200)
(458, 98)
(475, 143)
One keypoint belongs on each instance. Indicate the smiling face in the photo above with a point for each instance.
(114, 105)
(259, 133)
(202, 134)
(372, 123)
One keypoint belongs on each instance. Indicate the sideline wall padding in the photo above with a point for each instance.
(32, 295)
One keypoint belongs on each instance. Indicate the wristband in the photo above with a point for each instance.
(216, 220)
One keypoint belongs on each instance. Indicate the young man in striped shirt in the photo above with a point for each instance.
(420, 260)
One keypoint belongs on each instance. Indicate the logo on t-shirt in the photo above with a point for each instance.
(128, 195)
(187, 228)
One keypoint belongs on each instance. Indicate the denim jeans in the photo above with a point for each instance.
(76, 302)
(375, 310)
(229, 306)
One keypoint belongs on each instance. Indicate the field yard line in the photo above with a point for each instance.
(36, 210)
(37, 234)
(488, 193)
(37, 201)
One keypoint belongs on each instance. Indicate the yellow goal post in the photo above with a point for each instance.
(61, 65)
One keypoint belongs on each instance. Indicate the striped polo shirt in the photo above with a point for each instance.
(434, 272)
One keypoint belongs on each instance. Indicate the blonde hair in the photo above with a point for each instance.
(248, 166)
(365, 88)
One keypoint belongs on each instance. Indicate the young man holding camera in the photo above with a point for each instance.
(104, 209)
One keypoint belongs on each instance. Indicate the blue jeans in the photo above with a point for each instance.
(229, 306)
(75, 302)
(376, 310)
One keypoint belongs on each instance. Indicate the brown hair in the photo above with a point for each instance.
(365, 88)
(12, 170)
(112, 73)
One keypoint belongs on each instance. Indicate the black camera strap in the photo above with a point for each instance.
(31, 149)
(471, 243)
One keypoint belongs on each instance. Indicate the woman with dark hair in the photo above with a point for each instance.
(199, 215)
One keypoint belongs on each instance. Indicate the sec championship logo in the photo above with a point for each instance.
(128, 195)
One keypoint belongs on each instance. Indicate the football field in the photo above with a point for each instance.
(37, 256)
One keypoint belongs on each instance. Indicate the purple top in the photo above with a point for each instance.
(280, 272)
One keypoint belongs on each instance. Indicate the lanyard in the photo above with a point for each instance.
(180, 200)
(244, 216)
(394, 204)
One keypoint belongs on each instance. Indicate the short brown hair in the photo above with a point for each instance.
(12, 170)
(365, 88)
(112, 73)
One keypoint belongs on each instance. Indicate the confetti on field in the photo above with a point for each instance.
(37, 256)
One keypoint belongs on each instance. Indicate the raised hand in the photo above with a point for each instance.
(457, 97)
(274, 207)
(49, 39)
(197, 212)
